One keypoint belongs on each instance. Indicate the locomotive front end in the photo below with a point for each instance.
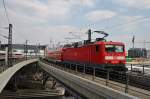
(115, 56)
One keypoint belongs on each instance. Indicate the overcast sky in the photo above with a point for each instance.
(40, 21)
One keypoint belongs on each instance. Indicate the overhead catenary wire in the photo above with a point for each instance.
(19, 33)
(132, 21)
(6, 13)
(8, 19)
(4, 28)
(126, 23)
(111, 27)
(138, 41)
(3, 36)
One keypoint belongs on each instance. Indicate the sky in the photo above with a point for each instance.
(43, 21)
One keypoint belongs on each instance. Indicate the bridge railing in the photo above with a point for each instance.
(3, 65)
(143, 69)
(107, 78)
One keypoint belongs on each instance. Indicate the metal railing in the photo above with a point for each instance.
(3, 65)
(139, 68)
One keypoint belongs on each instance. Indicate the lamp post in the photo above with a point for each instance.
(0, 44)
(26, 50)
(133, 39)
(10, 46)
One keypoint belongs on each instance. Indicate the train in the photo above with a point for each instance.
(15, 55)
(101, 54)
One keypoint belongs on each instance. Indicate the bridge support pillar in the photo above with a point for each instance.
(36, 66)
(45, 78)
(54, 84)
(14, 83)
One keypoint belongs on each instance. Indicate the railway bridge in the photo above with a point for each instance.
(85, 87)
(6, 75)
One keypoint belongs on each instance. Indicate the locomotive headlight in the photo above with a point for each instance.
(120, 57)
(108, 57)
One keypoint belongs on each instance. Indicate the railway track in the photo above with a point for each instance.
(131, 79)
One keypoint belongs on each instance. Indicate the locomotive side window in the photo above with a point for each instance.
(114, 48)
(97, 48)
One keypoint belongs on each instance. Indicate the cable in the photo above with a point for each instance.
(3, 36)
(4, 27)
(132, 21)
(6, 12)
(8, 19)
(19, 33)
(138, 41)
(1, 27)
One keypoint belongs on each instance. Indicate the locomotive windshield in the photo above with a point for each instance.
(114, 48)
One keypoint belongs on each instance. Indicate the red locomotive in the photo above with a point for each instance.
(101, 54)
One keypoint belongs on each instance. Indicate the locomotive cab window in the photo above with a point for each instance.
(119, 48)
(97, 48)
(114, 48)
(109, 48)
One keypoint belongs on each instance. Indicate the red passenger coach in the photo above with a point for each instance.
(55, 55)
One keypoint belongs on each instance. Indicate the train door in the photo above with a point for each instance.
(94, 51)
(90, 55)
(95, 54)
